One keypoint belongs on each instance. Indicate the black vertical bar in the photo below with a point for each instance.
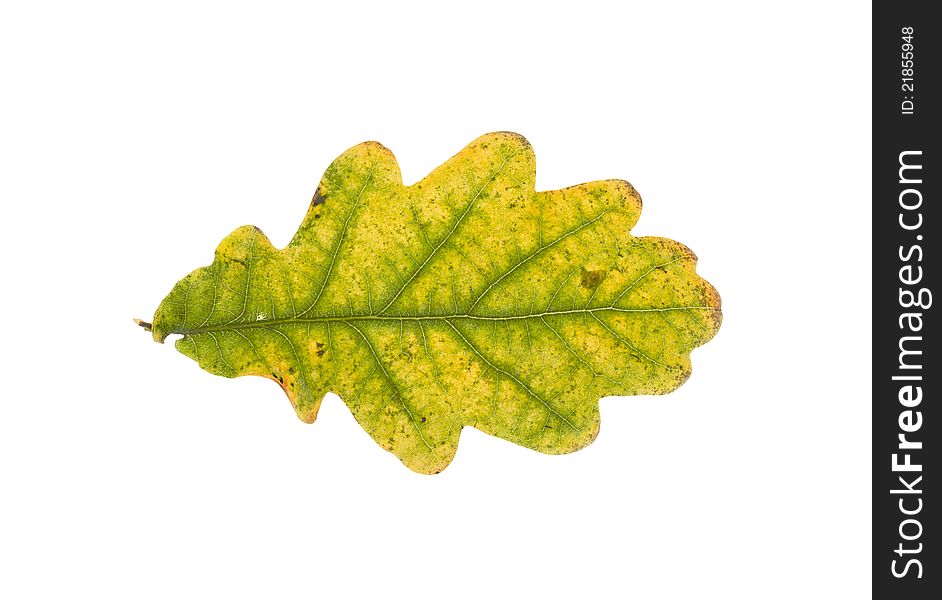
(907, 373)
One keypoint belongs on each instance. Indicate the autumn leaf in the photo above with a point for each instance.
(466, 299)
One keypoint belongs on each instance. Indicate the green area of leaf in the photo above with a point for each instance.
(467, 299)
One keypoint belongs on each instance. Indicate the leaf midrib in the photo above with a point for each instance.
(267, 323)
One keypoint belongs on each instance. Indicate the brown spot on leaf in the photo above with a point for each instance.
(318, 198)
(590, 279)
(321, 352)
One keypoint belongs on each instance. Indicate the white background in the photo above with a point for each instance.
(135, 136)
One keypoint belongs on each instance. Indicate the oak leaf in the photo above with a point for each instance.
(466, 299)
